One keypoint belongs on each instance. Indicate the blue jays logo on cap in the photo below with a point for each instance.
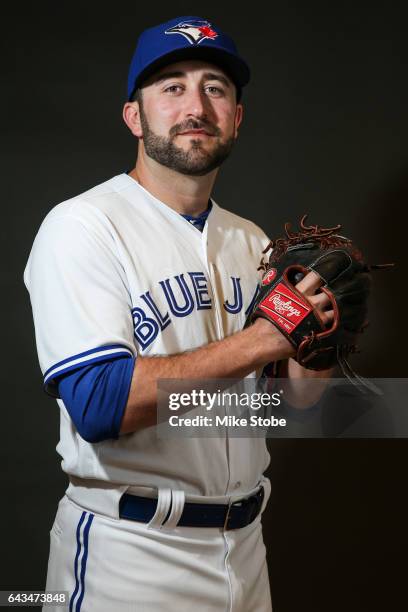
(194, 31)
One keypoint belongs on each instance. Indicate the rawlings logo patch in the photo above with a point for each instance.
(284, 307)
(269, 276)
(194, 31)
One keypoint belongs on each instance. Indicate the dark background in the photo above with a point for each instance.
(325, 132)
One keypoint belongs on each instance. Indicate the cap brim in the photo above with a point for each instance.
(233, 65)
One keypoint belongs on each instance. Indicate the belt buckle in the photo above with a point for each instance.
(255, 502)
(238, 502)
(227, 515)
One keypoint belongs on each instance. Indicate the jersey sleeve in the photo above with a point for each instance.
(79, 296)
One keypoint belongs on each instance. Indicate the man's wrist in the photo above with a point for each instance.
(270, 343)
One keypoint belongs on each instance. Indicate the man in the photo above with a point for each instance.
(143, 278)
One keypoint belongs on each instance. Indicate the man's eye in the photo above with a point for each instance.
(214, 90)
(173, 88)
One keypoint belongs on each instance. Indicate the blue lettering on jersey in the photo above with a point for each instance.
(146, 328)
(163, 320)
(200, 290)
(176, 309)
(198, 298)
(237, 305)
(252, 302)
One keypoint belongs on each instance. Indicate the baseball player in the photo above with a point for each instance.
(141, 278)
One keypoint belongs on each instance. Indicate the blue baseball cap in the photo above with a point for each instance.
(185, 38)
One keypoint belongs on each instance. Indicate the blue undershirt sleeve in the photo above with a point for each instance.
(95, 397)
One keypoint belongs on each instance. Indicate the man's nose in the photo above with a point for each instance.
(196, 103)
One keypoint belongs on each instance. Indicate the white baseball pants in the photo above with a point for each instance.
(110, 565)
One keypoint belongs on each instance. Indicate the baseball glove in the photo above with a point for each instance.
(346, 282)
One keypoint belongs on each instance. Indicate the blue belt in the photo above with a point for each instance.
(227, 516)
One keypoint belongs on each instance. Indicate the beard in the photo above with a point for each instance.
(195, 161)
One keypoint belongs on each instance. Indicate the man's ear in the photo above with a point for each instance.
(131, 116)
(239, 113)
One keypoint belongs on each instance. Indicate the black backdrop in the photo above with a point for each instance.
(325, 132)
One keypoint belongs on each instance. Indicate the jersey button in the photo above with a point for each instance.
(238, 484)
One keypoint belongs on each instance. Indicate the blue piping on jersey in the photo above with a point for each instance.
(105, 353)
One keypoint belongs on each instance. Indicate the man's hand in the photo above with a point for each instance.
(309, 287)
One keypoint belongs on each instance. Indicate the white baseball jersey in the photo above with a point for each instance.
(116, 271)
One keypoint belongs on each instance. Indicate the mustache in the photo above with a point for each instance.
(194, 124)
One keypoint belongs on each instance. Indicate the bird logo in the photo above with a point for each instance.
(194, 31)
